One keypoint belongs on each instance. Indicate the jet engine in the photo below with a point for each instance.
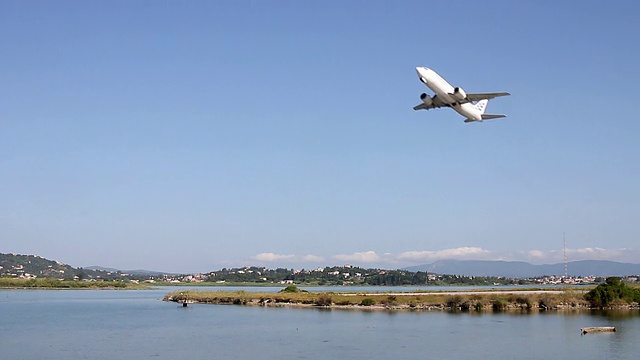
(459, 94)
(426, 99)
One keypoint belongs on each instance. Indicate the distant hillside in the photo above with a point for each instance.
(28, 266)
(16, 265)
(130, 272)
(519, 269)
(100, 268)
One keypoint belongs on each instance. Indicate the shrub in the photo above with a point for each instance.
(498, 305)
(454, 302)
(478, 306)
(465, 306)
(547, 303)
(324, 300)
(390, 300)
(523, 302)
(367, 302)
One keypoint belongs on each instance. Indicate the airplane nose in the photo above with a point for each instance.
(422, 74)
(421, 70)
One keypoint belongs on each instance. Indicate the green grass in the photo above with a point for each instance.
(47, 283)
(217, 284)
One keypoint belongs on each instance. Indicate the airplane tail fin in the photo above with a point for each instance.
(482, 105)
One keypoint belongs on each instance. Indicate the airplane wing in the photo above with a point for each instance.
(435, 103)
(423, 106)
(485, 96)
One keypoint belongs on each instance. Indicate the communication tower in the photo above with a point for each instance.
(564, 245)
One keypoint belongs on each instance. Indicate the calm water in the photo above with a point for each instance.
(127, 324)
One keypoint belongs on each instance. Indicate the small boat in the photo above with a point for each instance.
(595, 329)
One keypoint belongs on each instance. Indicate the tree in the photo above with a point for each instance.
(612, 291)
(292, 289)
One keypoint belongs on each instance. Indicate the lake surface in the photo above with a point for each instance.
(136, 324)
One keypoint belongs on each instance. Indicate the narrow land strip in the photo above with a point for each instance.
(532, 300)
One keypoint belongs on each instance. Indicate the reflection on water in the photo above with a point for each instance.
(81, 324)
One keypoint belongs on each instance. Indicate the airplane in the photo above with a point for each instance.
(471, 106)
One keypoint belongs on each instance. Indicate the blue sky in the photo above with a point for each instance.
(191, 136)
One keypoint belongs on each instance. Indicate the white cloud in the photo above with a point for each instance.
(271, 257)
(361, 257)
(536, 253)
(599, 254)
(461, 253)
(557, 255)
(312, 258)
(371, 258)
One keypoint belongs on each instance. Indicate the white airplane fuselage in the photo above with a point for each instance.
(443, 89)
